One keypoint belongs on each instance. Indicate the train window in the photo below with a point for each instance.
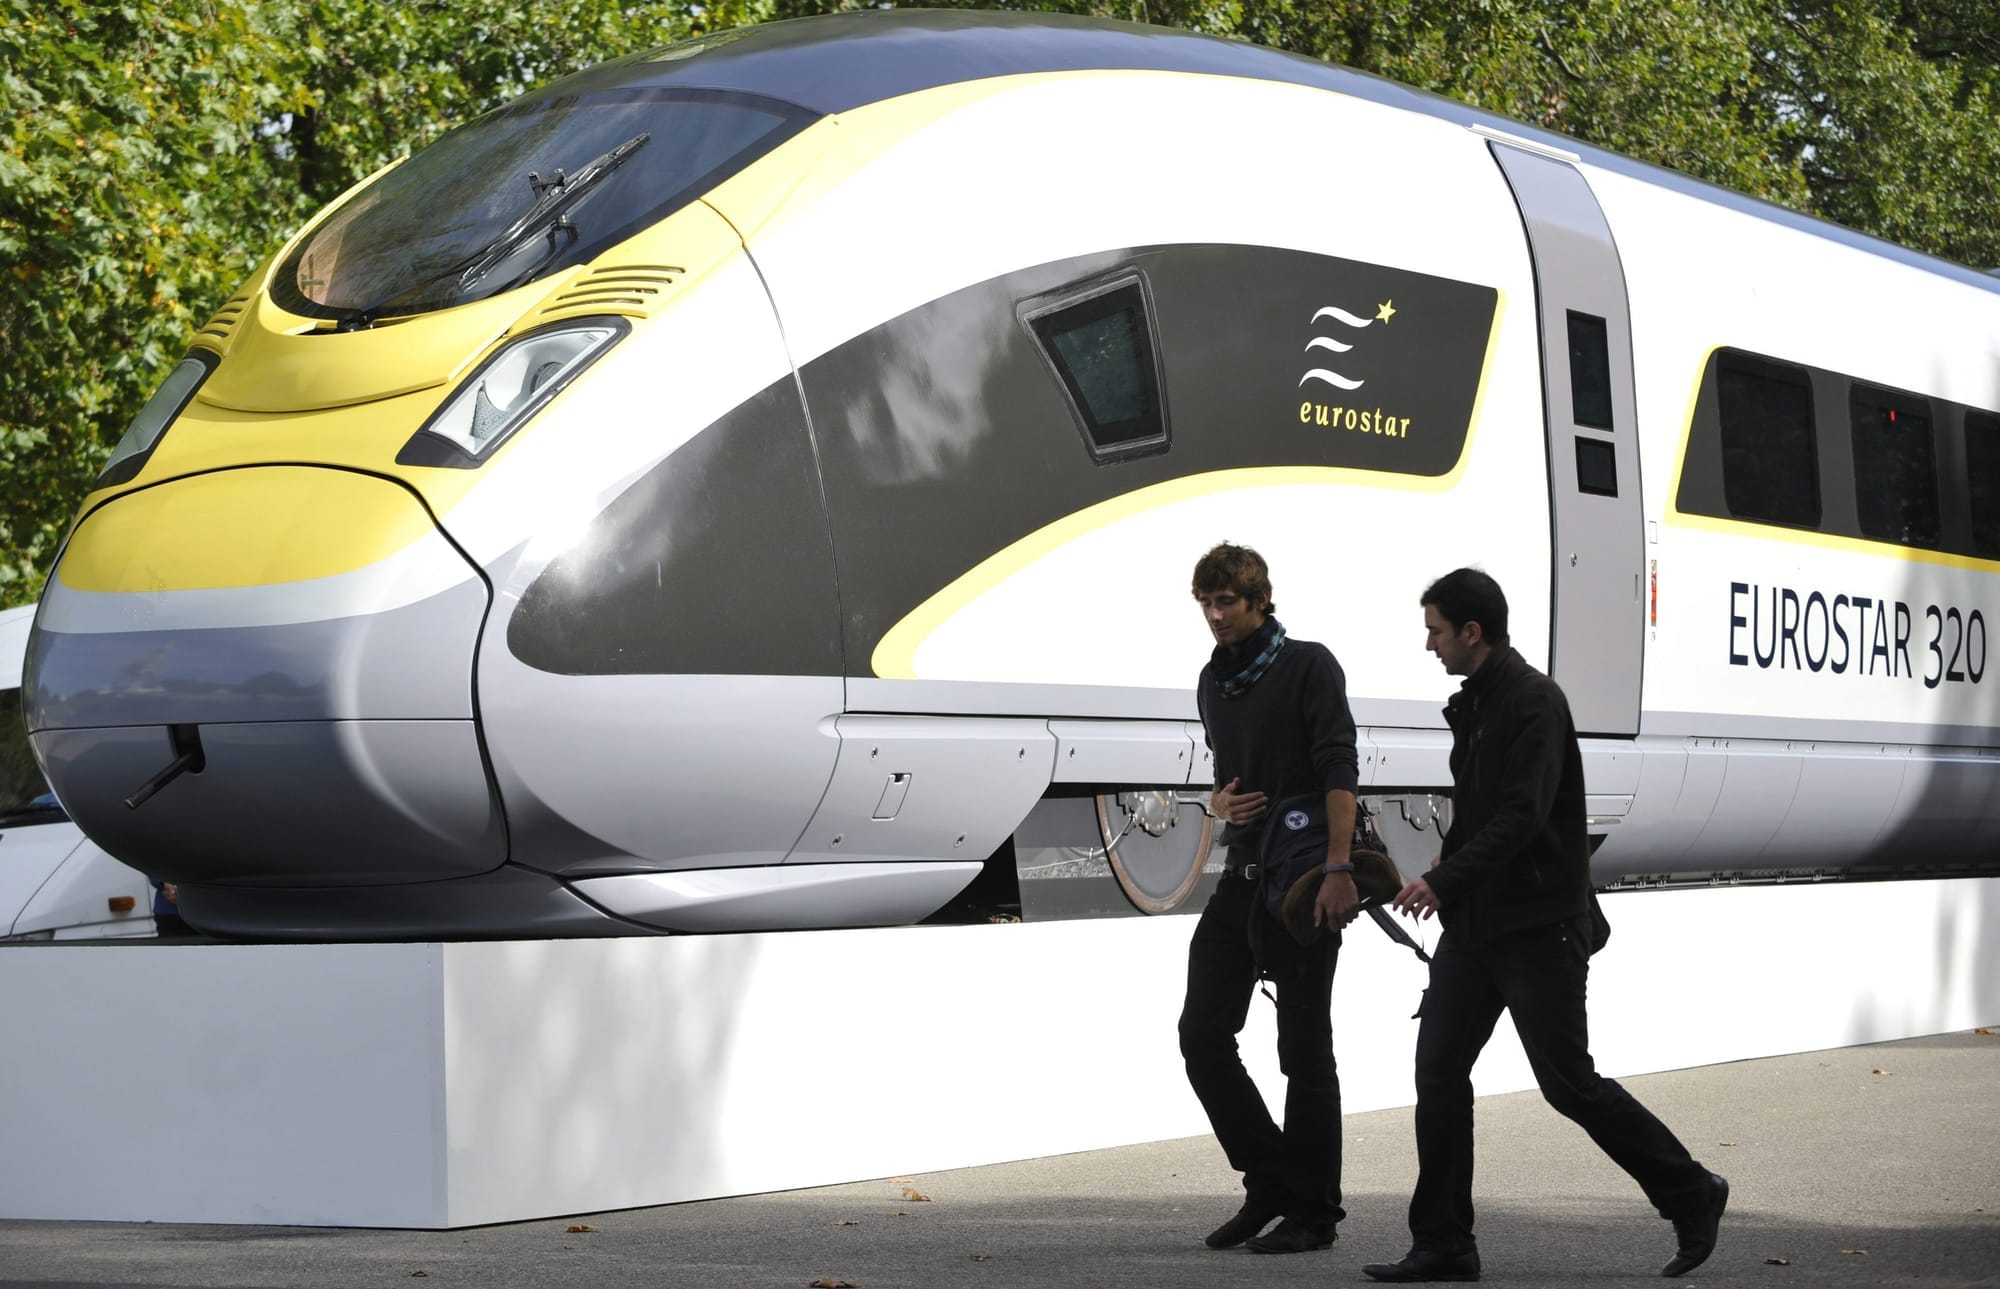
(1099, 342)
(1895, 466)
(1982, 468)
(1596, 467)
(1770, 464)
(1589, 373)
(24, 795)
(525, 191)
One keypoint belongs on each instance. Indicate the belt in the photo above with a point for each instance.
(1248, 872)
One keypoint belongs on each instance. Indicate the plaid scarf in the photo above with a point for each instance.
(1261, 650)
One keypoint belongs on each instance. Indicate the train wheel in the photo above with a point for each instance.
(1157, 842)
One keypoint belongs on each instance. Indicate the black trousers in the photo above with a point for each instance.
(1293, 1170)
(1540, 976)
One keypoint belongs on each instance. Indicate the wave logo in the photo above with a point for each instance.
(1296, 820)
(1330, 344)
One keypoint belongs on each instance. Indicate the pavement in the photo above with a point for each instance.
(1856, 1166)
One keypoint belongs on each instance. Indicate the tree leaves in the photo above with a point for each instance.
(109, 119)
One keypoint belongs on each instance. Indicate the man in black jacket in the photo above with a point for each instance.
(1512, 888)
(1276, 714)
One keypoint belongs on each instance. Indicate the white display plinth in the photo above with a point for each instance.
(444, 1085)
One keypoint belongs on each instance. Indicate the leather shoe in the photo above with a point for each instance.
(1697, 1234)
(1423, 1265)
(1248, 1221)
(1289, 1236)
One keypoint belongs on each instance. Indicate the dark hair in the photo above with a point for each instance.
(1469, 595)
(1238, 569)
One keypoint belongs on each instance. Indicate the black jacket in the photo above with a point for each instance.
(1291, 733)
(1518, 854)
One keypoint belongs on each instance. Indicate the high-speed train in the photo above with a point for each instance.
(55, 883)
(754, 484)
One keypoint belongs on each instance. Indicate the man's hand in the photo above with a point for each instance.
(1235, 807)
(1338, 903)
(1417, 900)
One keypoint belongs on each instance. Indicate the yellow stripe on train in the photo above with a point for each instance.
(250, 527)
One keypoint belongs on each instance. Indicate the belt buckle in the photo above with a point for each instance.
(1249, 872)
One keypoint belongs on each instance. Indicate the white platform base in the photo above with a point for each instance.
(444, 1085)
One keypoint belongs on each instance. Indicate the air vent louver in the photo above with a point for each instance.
(627, 290)
(219, 330)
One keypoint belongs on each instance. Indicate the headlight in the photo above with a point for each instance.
(160, 411)
(505, 390)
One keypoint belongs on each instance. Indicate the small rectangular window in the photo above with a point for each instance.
(1099, 341)
(1596, 467)
(1770, 463)
(1895, 466)
(1982, 468)
(1589, 371)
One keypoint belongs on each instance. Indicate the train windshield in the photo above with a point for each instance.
(524, 191)
(24, 795)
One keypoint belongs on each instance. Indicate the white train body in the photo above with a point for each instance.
(827, 584)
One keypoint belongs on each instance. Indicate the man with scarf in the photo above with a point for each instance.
(1512, 887)
(1276, 715)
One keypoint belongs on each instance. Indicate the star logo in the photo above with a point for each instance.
(1385, 311)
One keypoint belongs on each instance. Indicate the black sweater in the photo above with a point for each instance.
(1290, 734)
(1518, 853)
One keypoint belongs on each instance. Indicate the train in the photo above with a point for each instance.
(753, 485)
(55, 883)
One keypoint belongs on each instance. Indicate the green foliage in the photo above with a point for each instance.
(152, 152)
(120, 129)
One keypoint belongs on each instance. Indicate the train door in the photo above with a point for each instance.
(1596, 636)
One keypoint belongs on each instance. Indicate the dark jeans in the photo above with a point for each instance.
(1539, 975)
(1294, 1170)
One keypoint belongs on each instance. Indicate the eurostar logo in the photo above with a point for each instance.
(1343, 416)
(1332, 344)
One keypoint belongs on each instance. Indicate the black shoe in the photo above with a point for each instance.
(1289, 1236)
(1248, 1221)
(1697, 1234)
(1421, 1264)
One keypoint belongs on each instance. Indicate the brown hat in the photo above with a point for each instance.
(1375, 876)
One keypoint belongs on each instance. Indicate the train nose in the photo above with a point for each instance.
(264, 677)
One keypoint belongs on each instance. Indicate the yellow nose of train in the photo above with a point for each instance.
(288, 647)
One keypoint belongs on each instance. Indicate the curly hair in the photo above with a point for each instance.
(1235, 568)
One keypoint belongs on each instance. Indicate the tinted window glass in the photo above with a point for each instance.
(1770, 468)
(24, 794)
(530, 188)
(1895, 467)
(1589, 372)
(1102, 348)
(1596, 467)
(1982, 467)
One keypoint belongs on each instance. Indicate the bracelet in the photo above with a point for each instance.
(1337, 868)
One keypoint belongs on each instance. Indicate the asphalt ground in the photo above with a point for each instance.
(1856, 1166)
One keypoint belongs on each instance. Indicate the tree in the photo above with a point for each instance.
(153, 154)
(122, 217)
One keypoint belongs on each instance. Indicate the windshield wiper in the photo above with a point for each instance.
(548, 215)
